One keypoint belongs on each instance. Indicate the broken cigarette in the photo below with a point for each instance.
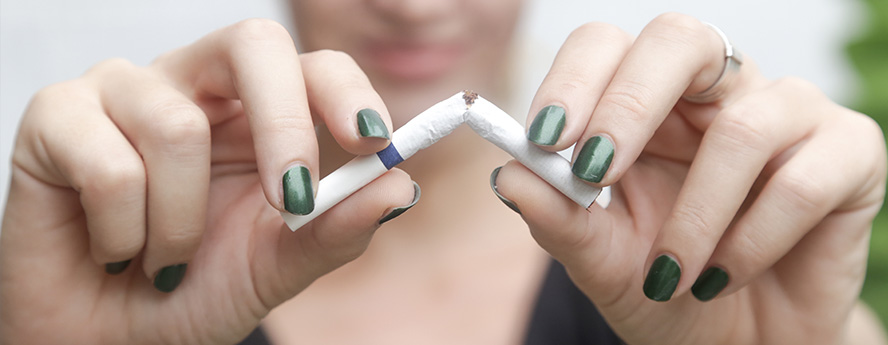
(485, 118)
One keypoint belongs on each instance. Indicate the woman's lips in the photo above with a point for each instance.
(413, 62)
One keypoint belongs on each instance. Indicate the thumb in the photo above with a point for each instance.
(286, 262)
(594, 244)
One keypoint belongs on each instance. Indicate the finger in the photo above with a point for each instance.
(673, 55)
(582, 69)
(336, 237)
(340, 93)
(734, 150)
(797, 198)
(601, 259)
(256, 61)
(172, 135)
(95, 159)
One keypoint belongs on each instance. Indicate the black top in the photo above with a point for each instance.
(562, 315)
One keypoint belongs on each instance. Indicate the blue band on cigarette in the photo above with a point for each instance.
(390, 156)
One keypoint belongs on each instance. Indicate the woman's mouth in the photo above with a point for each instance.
(412, 61)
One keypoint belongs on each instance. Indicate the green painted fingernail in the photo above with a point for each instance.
(417, 192)
(116, 267)
(594, 159)
(169, 277)
(710, 283)
(298, 192)
(508, 202)
(370, 124)
(547, 126)
(662, 279)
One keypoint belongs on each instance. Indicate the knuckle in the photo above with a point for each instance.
(260, 30)
(340, 70)
(571, 80)
(869, 130)
(695, 222)
(110, 66)
(800, 86)
(755, 251)
(111, 179)
(678, 23)
(330, 56)
(346, 83)
(181, 238)
(178, 122)
(738, 126)
(289, 124)
(630, 99)
(49, 96)
(62, 94)
(868, 125)
(598, 31)
(801, 192)
(676, 28)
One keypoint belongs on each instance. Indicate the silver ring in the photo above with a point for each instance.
(733, 61)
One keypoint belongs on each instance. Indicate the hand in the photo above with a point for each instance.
(125, 175)
(745, 220)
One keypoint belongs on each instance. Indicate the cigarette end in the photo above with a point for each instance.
(470, 97)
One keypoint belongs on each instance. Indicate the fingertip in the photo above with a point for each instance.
(372, 203)
(662, 278)
(569, 232)
(594, 160)
(344, 231)
(371, 125)
(710, 284)
(298, 190)
(539, 203)
(168, 278)
(369, 132)
(546, 128)
(115, 268)
(341, 94)
(397, 211)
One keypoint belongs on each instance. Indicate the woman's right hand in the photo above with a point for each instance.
(177, 163)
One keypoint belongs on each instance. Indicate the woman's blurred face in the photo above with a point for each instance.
(414, 47)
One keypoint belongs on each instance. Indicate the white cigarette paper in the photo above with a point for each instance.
(485, 118)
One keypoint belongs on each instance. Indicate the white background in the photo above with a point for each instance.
(46, 41)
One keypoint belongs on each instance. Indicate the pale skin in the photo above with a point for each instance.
(181, 162)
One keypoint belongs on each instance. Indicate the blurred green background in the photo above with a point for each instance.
(869, 55)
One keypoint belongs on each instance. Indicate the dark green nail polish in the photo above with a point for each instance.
(508, 202)
(710, 283)
(547, 126)
(417, 192)
(169, 277)
(298, 192)
(662, 279)
(370, 124)
(116, 267)
(594, 159)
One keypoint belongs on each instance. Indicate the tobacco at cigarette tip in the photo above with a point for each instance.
(470, 97)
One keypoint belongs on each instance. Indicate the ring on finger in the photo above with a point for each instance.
(733, 62)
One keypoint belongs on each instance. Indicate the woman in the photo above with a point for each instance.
(144, 200)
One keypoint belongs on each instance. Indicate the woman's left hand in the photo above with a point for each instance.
(743, 220)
